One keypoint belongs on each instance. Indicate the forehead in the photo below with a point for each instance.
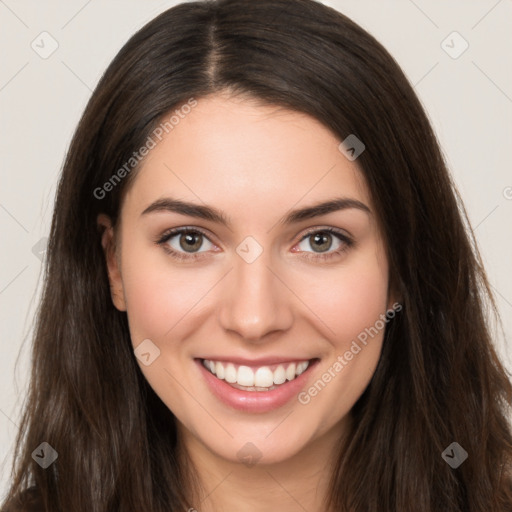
(246, 157)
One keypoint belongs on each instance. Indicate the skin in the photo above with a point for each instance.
(255, 163)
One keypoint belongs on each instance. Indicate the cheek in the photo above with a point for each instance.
(363, 299)
(350, 299)
(350, 303)
(346, 299)
(157, 295)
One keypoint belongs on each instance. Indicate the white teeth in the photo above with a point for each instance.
(290, 372)
(262, 377)
(279, 375)
(230, 374)
(245, 376)
(301, 367)
(219, 370)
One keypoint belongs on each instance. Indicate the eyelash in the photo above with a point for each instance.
(165, 237)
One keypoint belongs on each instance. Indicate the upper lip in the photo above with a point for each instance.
(262, 361)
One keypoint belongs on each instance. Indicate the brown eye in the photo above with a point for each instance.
(191, 242)
(183, 241)
(324, 243)
(320, 241)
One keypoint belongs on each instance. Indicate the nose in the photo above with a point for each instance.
(256, 301)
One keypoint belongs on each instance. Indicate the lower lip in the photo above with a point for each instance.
(255, 401)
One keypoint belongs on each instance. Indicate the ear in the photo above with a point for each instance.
(108, 243)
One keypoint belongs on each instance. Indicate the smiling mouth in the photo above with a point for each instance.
(262, 378)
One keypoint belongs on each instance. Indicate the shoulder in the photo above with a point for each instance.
(28, 501)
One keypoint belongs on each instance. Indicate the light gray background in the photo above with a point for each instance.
(468, 99)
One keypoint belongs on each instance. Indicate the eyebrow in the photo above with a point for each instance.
(168, 204)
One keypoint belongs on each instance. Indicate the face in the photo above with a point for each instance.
(222, 254)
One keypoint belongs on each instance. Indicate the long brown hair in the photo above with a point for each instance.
(439, 379)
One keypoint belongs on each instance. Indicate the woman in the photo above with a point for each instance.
(259, 287)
